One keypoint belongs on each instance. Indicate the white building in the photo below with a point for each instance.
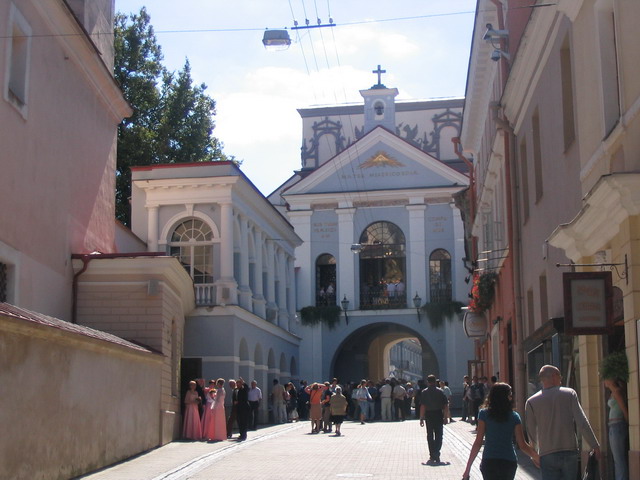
(239, 252)
(373, 207)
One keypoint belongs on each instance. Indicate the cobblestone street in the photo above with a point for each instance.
(378, 451)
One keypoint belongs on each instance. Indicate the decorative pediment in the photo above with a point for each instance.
(378, 161)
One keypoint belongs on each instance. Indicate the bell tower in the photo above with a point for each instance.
(379, 105)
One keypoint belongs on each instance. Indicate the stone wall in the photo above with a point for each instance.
(73, 399)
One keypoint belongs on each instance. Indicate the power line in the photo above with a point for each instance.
(257, 29)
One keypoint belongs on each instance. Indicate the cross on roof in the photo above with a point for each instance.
(379, 72)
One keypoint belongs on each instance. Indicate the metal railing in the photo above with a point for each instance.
(382, 301)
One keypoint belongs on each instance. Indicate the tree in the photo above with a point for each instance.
(172, 119)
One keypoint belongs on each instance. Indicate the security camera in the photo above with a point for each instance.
(495, 55)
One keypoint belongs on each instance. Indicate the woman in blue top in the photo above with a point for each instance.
(498, 422)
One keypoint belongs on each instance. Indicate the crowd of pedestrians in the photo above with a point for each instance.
(554, 418)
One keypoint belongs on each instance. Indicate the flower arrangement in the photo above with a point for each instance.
(482, 291)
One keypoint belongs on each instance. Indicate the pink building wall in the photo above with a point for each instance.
(58, 156)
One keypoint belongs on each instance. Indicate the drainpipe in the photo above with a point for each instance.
(74, 303)
(457, 148)
(86, 258)
(513, 231)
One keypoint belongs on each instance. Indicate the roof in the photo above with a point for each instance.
(8, 310)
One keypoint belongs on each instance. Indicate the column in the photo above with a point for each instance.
(152, 228)
(259, 302)
(417, 261)
(226, 286)
(244, 289)
(282, 289)
(301, 221)
(346, 259)
(272, 308)
(458, 271)
(291, 288)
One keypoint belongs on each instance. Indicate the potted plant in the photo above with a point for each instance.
(483, 291)
(615, 366)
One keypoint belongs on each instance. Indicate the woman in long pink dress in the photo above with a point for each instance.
(191, 427)
(219, 417)
(208, 416)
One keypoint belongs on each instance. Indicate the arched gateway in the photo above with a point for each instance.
(365, 353)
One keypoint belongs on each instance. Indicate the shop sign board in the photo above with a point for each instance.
(588, 303)
(475, 324)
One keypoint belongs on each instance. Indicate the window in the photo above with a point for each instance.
(537, 154)
(4, 282)
(325, 280)
(191, 242)
(544, 305)
(610, 91)
(382, 267)
(524, 180)
(568, 120)
(531, 312)
(440, 276)
(17, 63)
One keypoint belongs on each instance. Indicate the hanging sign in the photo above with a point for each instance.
(588, 303)
(475, 324)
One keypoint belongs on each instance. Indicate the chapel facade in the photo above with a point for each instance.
(372, 204)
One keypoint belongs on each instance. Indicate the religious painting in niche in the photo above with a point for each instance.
(191, 243)
(382, 267)
(325, 280)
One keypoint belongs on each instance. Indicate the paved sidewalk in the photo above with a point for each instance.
(378, 450)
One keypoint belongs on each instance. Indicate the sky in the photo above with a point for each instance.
(423, 45)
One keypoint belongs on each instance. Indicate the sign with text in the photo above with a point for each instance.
(588, 303)
(474, 324)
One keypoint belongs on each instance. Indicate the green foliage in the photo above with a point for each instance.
(615, 366)
(328, 315)
(438, 312)
(172, 119)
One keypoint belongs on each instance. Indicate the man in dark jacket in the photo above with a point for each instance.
(434, 409)
(243, 408)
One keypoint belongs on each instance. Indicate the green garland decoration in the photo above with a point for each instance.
(328, 315)
(437, 312)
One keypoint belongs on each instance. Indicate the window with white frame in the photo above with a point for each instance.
(17, 60)
(192, 243)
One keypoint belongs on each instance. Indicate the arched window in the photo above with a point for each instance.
(440, 276)
(325, 280)
(191, 242)
(382, 267)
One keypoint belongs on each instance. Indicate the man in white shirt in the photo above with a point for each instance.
(255, 397)
(399, 394)
(385, 401)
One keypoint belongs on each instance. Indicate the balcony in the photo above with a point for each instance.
(205, 294)
(381, 301)
(440, 294)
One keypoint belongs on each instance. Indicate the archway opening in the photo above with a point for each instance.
(369, 353)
